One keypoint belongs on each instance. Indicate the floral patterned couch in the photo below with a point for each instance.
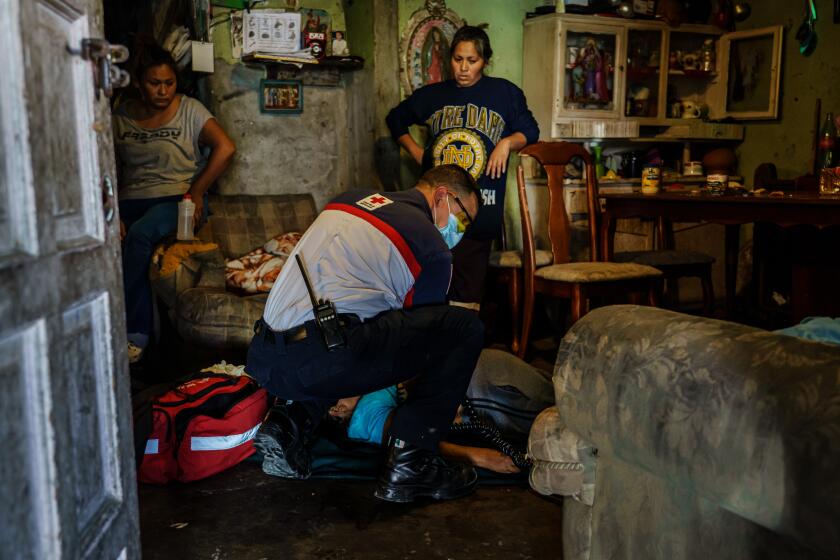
(685, 437)
(203, 311)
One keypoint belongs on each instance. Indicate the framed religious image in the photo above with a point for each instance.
(751, 73)
(424, 49)
(281, 97)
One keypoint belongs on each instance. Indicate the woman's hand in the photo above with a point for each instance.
(199, 209)
(497, 164)
(412, 147)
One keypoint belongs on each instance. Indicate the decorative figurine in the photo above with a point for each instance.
(590, 60)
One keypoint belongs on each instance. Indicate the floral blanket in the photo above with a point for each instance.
(256, 272)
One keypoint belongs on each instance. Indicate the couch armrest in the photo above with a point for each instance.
(192, 270)
(746, 418)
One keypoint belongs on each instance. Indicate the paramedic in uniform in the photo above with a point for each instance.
(384, 261)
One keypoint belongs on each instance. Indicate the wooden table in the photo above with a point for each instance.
(730, 210)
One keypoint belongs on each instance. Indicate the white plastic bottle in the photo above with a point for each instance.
(186, 210)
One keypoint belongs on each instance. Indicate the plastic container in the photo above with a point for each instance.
(186, 210)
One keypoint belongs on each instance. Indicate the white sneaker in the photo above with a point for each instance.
(134, 353)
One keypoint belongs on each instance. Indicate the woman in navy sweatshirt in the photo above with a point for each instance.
(474, 121)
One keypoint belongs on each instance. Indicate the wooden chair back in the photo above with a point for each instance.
(554, 156)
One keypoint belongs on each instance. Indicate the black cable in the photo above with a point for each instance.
(485, 429)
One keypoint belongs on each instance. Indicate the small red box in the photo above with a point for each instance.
(316, 43)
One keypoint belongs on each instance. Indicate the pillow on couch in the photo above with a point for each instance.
(256, 272)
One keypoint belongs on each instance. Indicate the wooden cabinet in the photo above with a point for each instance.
(597, 77)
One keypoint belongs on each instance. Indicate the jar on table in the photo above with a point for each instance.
(651, 177)
(717, 183)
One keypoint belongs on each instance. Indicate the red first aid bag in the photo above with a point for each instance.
(201, 427)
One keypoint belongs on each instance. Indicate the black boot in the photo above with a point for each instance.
(283, 439)
(412, 472)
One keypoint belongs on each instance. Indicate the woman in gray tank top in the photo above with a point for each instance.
(159, 140)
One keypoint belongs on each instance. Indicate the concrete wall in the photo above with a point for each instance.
(324, 150)
(787, 141)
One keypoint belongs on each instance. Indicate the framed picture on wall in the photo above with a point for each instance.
(281, 97)
(424, 49)
(750, 70)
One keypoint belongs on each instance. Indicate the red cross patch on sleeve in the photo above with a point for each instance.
(374, 201)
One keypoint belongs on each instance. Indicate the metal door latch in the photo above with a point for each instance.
(103, 55)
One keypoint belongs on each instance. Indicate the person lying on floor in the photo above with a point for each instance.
(369, 417)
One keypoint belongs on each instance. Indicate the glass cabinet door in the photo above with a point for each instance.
(644, 73)
(692, 71)
(590, 82)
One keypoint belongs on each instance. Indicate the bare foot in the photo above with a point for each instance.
(343, 409)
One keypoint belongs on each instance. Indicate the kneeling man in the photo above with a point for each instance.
(383, 260)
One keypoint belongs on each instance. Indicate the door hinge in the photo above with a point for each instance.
(103, 55)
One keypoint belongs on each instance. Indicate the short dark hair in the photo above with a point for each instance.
(152, 55)
(455, 178)
(478, 37)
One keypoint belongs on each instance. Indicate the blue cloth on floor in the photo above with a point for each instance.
(820, 329)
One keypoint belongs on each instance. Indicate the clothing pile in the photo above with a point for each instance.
(256, 272)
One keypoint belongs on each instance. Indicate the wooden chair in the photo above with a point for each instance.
(575, 281)
(675, 264)
(506, 269)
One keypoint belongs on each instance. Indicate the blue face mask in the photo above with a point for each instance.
(451, 232)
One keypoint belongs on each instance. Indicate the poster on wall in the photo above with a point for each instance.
(424, 49)
(236, 34)
(271, 31)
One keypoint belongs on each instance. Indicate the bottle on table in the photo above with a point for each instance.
(827, 157)
(186, 211)
(597, 151)
(828, 140)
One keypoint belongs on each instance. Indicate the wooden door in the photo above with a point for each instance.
(67, 480)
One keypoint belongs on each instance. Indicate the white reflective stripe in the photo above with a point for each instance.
(218, 443)
(151, 446)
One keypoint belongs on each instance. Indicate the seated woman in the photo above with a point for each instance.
(158, 140)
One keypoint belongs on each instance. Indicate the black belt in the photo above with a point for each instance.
(298, 333)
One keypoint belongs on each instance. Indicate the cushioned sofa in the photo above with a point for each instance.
(683, 437)
(194, 296)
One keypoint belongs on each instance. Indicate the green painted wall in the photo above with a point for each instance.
(359, 16)
(787, 141)
(505, 29)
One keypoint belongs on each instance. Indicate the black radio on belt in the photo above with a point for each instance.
(325, 315)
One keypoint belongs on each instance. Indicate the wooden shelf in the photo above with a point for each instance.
(325, 72)
(692, 73)
(337, 62)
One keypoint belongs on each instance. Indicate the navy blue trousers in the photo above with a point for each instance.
(437, 346)
(147, 221)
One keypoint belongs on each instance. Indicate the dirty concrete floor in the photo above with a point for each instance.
(245, 514)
